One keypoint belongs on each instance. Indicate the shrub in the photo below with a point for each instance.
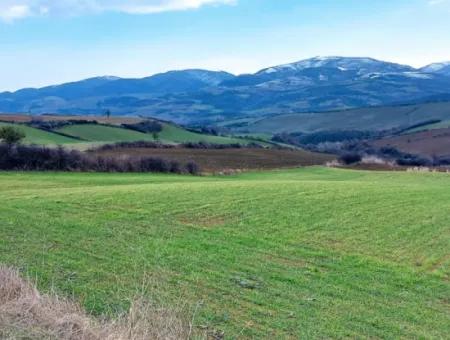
(51, 125)
(11, 135)
(350, 158)
(412, 160)
(148, 126)
(39, 158)
(192, 168)
(158, 145)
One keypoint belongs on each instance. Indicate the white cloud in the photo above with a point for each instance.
(11, 10)
(14, 12)
(437, 2)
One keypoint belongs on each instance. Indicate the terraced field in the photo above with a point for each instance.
(304, 253)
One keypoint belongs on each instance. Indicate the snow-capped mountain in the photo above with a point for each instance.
(361, 65)
(198, 96)
(438, 68)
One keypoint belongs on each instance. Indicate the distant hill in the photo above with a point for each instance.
(364, 119)
(206, 97)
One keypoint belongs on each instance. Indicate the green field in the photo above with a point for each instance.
(88, 135)
(170, 134)
(305, 253)
(173, 133)
(37, 136)
(102, 133)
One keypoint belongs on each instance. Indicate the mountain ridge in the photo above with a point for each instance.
(197, 96)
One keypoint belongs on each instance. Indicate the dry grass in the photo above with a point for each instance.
(27, 314)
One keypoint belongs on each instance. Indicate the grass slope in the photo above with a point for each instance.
(37, 136)
(441, 125)
(102, 133)
(375, 118)
(309, 253)
(176, 134)
(169, 134)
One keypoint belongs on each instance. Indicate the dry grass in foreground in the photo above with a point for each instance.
(27, 314)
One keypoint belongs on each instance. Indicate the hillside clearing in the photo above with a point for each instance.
(315, 252)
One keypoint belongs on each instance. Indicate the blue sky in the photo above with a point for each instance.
(47, 41)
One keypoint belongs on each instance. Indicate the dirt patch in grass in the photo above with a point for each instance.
(203, 221)
(211, 160)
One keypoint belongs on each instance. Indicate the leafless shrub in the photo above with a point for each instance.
(376, 160)
(39, 158)
(27, 314)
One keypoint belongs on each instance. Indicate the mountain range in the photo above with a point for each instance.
(200, 96)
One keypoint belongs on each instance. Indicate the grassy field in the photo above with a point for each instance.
(102, 133)
(173, 133)
(37, 136)
(309, 253)
(88, 135)
(170, 134)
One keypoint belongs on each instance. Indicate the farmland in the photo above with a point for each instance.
(216, 160)
(302, 253)
(102, 133)
(37, 136)
(108, 130)
(428, 143)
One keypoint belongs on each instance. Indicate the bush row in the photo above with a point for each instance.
(38, 158)
(50, 125)
(158, 145)
(147, 126)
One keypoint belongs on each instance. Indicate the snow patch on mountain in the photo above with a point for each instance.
(436, 67)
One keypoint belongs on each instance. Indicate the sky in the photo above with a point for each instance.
(45, 42)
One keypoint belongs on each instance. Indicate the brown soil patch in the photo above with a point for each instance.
(21, 118)
(426, 143)
(211, 160)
